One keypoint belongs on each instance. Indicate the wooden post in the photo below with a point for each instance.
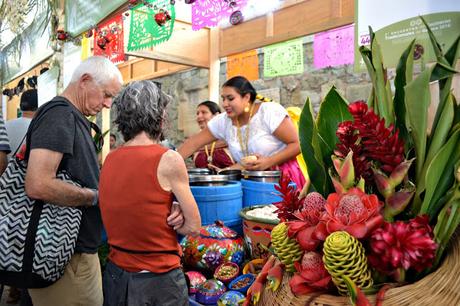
(214, 64)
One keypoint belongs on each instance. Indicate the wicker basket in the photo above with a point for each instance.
(442, 287)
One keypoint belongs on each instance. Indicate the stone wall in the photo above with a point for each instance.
(191, 87)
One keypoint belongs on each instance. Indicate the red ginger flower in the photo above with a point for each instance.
(370, 142)
(312, 275)
(308, 217)
(354, 212)
(290, 200)
(402, 245)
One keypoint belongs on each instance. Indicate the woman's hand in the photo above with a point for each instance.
(176, 217)
(262, 163)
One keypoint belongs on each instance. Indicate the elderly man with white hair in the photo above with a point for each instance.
(61, 139)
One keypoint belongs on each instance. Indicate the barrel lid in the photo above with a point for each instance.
(275, 173)
(208, 178)
(230, 172)
(199, 171)
(218, 231)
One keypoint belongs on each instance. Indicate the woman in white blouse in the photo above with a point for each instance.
(260, 136)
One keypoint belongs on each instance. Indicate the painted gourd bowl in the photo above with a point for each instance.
(215, 245)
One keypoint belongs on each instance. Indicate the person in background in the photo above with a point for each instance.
(17, 128)
(216, 155)
(136, 189)
(4, 146)
(260, 136)
(62, 139)
(113, 141)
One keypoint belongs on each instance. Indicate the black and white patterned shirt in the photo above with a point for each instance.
(4, 143)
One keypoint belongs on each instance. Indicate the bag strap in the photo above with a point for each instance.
(20, 145)
(29, 243)
(57, 101)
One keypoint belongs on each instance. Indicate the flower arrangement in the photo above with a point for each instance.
(384, 192)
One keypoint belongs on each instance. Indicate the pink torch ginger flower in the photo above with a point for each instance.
(312, 275)
(308, 217)
(354, 212)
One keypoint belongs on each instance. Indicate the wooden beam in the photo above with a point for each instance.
(165, 57)
(297, 19)
(144, 69)
(186, 47)
(160, 73)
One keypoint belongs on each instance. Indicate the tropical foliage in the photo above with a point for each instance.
(383, 199)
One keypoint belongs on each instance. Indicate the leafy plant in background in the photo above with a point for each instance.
(412, 167)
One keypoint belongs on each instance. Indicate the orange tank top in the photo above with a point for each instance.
(134, 209)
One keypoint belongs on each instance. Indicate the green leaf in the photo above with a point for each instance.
(448, 221)
(437, 169)
(439, 138)
(311, 151)
(436, 46)
(367, 58)
(442, 71)
(404, 72)
(333, 110)
(445, 85)
(445, 181)
(383, 101)
(439, 135)
(456, 111)
(417, 101)
(453, 53)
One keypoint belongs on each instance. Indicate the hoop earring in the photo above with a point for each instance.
(246, 109)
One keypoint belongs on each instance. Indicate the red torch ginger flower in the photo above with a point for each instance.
(402, 245)
(312, 275)
(354, 212)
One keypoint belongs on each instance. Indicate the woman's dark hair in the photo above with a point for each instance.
(141, 106)
(213, 107)
(242, 86)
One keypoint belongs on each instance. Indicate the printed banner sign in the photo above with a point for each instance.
(108, 40)
(334, 48)
(144, 32)
(396, 23)
(245, 64)
(208, 13)
(284, 58)
(80, 15)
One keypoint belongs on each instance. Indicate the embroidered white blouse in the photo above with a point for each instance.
(261, 127)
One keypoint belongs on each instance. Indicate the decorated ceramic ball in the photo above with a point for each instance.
(196, 279)
(230, 298)
(215, 245)
(210, 291)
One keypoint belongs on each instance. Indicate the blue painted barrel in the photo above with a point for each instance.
(220, 203)
(259, 193)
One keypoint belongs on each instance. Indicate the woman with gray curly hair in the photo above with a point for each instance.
(137, 184)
